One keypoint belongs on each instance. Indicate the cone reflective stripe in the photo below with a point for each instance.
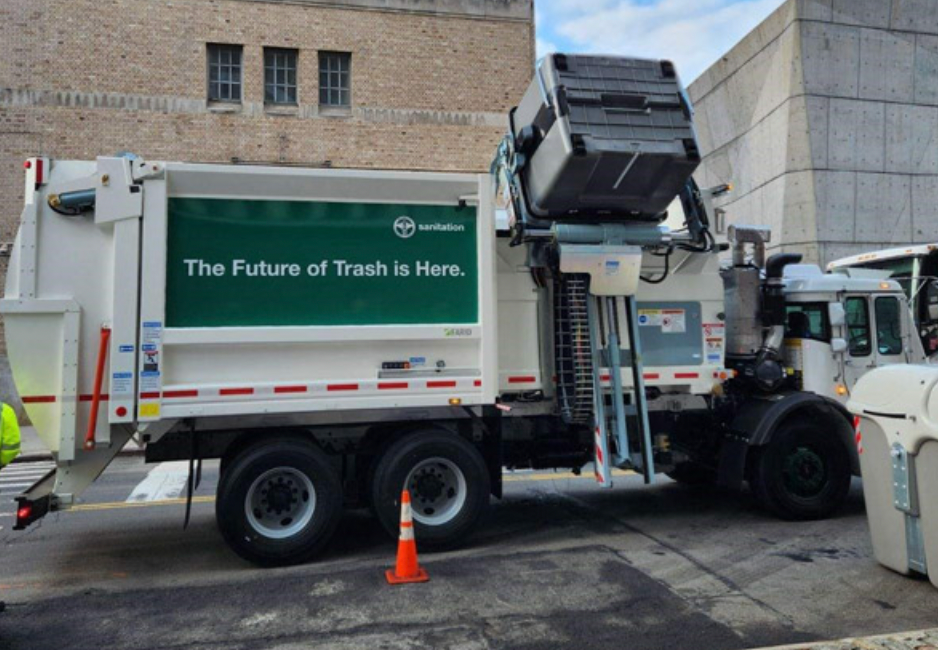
(407, 517)
(407, 569)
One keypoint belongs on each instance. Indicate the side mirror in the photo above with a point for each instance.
(839, 346)
(931, 298)
(836, 314)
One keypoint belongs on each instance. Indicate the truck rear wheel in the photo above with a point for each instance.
(279, 503)
(448, 482)
(803, 473)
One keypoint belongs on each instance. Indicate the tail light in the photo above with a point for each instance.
(29, 511)
(36, 169)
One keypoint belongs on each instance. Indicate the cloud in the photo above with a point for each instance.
(692, 33)
(544, 47)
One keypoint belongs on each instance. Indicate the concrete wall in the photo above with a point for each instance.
(825, 118)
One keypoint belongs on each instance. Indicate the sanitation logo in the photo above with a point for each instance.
(404, 227)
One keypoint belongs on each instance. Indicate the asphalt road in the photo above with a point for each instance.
(560, 564)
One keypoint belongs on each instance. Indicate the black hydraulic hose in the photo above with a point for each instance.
(664, 274)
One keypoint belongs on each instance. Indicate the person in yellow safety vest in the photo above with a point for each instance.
(9, 436)
(9, 445)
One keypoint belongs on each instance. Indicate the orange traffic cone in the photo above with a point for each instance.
(407, 569)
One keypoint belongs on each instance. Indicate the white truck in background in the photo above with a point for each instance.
(334, 336)
(916, 269)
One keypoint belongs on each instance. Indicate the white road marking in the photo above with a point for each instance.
(165, 481)
(15, 478)
(27, 468)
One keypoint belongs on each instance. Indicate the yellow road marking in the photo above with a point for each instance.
(566, 476)
(508, 478)
(119, 505)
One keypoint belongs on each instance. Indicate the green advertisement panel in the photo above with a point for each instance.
(249, 263)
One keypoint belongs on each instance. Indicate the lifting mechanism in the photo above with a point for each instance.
(597, 270)
(596, 151)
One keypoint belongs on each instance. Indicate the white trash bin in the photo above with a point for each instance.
(897, 437)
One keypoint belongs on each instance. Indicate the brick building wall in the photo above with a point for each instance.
(430, 85)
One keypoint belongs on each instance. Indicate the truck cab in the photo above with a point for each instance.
(839, 327)
(915, 268)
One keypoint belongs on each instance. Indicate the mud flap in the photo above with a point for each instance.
(731, 471)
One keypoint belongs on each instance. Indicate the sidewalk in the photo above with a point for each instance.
(920, 640)
(33, 449)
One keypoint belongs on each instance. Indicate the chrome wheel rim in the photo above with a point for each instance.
(280, 502)
(437, 491)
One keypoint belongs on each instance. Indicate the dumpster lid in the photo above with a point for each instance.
(902, 399)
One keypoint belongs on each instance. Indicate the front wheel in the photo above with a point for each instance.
(279, 503)
(448, 483)
(803, 473)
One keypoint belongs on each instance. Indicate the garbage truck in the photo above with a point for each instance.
(333, 336)
(916, 269)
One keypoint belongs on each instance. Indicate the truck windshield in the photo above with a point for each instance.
(807, 320)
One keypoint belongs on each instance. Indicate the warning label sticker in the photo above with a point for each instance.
(122, 383)
(649, 317)
(149, 381)
(714, 350)
(673, 321)
(713, 330)
(149, 410)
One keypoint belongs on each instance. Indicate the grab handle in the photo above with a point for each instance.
(98, 378)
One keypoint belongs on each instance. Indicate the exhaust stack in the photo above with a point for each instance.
(755, 307)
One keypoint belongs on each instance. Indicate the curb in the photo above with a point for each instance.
(914, 640)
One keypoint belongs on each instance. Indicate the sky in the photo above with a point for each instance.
(692, 33)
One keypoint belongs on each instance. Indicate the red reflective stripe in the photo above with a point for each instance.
(40, 172)
(155, 395)
(332, 387)
(605, 378)
(38, 399)
(477, 383)
(180, 393)
(48, 399)
(527, 379)
(392, 385)
(441, 384)
(407, 524)
(686, 375)
(652, 375)
(290, 389)
(236, 391)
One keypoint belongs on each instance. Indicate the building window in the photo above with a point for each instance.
(335, 79)
(224, 73)
(279, 76)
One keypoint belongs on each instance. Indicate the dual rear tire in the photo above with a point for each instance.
(280, 503)
(448, 482)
